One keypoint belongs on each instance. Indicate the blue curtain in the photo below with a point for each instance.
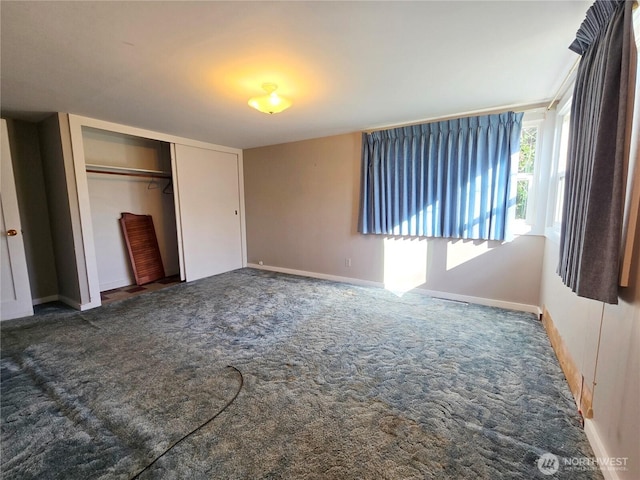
(443, 179)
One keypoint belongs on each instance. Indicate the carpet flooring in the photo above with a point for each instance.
(333, 381)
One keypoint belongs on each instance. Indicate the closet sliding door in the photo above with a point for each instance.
(208, 198)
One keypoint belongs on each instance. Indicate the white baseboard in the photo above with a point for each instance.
(599, 449)
(489, 302)
(66, 301)
(90, 305)
(41, 300)
(71, 303)
(322, 276)
(432, 293)
(116, 284)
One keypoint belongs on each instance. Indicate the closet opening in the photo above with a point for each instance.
(129, 174)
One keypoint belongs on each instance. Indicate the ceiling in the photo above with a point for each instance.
(188, 68)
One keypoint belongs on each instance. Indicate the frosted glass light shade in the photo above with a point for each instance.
(271, 102)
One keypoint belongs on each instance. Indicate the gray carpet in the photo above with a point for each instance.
(340, 382)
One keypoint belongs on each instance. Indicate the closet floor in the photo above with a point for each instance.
(133, 290)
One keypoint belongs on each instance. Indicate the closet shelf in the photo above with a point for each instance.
(132, 172)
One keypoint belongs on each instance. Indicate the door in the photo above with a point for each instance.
(15, 291)
(208, 200)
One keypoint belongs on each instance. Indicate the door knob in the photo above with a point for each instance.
(12, 233)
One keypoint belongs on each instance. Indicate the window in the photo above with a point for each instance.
(557, 174)
(524, 177)
(414, 183)
(561, 168)
(526, 173)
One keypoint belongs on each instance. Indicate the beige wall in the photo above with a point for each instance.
(58, 173)
(302, 202)
(301, 208)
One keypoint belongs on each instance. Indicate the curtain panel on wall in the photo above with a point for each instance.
(444, 179)
(594, 194)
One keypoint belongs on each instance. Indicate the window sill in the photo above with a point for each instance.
(553, 234)
(521, 228)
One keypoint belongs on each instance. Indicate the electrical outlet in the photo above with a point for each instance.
(347, 262)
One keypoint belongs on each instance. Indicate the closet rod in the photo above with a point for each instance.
(129, 172)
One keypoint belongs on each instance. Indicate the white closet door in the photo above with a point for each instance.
(15, 291)
(209, 205)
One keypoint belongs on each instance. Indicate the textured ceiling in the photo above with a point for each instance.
(188, 68)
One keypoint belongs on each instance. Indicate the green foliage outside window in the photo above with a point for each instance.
(521, 199)
(528, 139)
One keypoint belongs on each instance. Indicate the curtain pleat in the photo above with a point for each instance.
(444, 179)
(594, 193)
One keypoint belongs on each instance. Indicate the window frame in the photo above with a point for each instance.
(530, 177)
(558, 174)
(530, 224)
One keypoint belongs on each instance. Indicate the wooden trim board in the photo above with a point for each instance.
(581, 393)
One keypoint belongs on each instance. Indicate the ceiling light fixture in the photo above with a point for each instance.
(271, 102)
